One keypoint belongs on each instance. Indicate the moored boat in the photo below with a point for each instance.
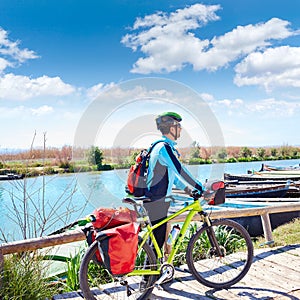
(259, 176)
(11, 176)
(259, 191)
(266, 167)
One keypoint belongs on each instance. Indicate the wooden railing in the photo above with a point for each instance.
(78, 235)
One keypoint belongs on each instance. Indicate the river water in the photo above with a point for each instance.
(61, 199)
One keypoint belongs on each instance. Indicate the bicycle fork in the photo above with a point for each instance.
(216, 249)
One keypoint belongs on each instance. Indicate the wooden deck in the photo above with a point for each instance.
(275, 274)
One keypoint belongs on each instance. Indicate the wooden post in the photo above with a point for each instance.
(1, 267)
(265, 218)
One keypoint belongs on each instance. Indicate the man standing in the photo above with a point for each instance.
(164, 171)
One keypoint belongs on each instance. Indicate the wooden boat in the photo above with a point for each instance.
(11, 176)
(259, 176)
(257, 191)
(266, 167)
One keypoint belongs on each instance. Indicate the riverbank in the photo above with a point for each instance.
(34, 168)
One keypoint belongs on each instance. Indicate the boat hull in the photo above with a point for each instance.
(260, 177)
(253, 224)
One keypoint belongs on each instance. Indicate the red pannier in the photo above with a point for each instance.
(117, 232)
(118, 248)
(104, 218)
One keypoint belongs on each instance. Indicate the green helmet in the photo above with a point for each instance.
(167, 119)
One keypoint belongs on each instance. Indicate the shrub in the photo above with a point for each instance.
(23, 278)
(232, 160)
(198, 161)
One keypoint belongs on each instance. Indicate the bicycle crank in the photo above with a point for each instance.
(167, 272)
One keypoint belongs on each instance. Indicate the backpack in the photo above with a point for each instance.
(137, 175)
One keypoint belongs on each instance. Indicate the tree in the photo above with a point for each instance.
(95, 157)
(261, 152)
(246, 152)
(274, 152)
(195, 152)
(222, 154)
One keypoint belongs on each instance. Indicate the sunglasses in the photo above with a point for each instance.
(178, 125)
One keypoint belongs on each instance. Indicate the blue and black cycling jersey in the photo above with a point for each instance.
(165, 170)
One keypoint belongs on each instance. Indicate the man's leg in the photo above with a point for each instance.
(158, 211)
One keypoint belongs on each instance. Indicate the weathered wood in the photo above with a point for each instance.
(267, 228)
(246, 212)
(42, 242)
(1, 267)
(78, 235)
(70, 295)
(268, 278)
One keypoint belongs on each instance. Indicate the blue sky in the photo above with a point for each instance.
(241, 57)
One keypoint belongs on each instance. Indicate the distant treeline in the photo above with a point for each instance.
(36, 162)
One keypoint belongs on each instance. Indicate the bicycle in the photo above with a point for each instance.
(219, 254)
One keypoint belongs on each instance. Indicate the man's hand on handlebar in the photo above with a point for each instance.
(193, 193)
(208, 195)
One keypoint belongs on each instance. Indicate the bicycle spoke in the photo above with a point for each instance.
(214, 270)
(97, 283)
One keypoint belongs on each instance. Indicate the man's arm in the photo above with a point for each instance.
(172, 161)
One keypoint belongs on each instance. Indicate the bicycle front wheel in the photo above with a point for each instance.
(97, 283)
(220, 269)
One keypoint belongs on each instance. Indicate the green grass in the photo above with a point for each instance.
(283, 235)
(23, 279)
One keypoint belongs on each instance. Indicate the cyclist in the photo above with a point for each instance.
(164, 171)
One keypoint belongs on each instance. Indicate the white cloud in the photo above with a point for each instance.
(11, 50)
(269, 108)
(4, 64)
(23, 112)
(94, 91)
(169, 43)
(273, 67)
(207, 97)
(241, 41)
(42, 110)
(167, 40)
(17, 87)
(274, 108)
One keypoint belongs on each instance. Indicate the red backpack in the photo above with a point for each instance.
(137, 175)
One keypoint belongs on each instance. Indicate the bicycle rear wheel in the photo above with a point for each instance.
(97, 283)
(217, 271)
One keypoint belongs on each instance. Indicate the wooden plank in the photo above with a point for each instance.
(267, 274)
(288, 277)
(185, 282)
(42, 242)
(272, 275)
(245, 212)
(70, 295)
(282, 256)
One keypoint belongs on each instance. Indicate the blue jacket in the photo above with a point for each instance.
(165, 170)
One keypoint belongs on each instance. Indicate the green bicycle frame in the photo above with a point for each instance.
(193, 209)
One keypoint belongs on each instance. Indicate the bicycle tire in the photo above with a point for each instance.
(91, 287)
(220, 272)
